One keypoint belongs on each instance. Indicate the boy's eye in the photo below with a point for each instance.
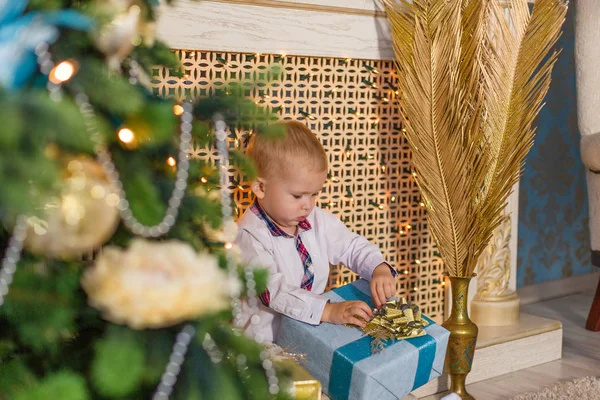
(296, 196)
(315, 194)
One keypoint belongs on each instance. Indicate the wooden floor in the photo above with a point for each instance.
(581, 352)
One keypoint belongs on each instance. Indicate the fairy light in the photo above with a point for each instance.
(348, 194)
(405, 272)
(393, 199)
(126, 135)
(171, 162)
(203, 179)
(408, 227)
(402, 232)
(228, 245)
(422, 204)
(62, 72)
(177, 110)
(417, 261)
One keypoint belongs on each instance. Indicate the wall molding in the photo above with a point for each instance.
(319, 6)
(558, 288)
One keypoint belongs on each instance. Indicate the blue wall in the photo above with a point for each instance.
(553, 208)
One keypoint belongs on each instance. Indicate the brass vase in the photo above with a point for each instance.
(463, 335)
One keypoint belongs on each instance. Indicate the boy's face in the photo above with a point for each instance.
(289, 197)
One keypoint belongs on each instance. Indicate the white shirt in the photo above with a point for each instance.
(328, 241)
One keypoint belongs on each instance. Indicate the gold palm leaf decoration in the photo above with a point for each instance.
(472, 82)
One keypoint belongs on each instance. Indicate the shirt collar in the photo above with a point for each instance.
(275, 230)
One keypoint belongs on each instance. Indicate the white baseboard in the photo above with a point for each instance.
(558, 288)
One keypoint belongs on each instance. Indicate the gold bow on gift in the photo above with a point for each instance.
(395, 320)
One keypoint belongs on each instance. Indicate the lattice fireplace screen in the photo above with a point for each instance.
(351, 105)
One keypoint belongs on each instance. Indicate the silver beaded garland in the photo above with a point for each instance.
(12, 256)
(110, 169)
(169, 377)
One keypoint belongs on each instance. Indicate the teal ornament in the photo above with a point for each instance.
(21, 33)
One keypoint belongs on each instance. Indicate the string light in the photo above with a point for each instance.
(405, 272)
(307, 115)
(422, 204)
(369, 83)
(330, 92)
(62, 72)
(371, 69)
(228, 245)
(177, 110)
(348, 193)
(348, 150)
(393, 199)
(203, 179)
(222, 61)
(171, 162)
(126, 135)
(417, 261)
(354, 111)
(408, 227)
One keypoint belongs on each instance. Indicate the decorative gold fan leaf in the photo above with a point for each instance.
(472, 82)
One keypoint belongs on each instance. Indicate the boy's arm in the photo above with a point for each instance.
(283, 298)
(351, 249)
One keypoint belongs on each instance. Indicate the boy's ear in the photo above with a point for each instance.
(258, 188)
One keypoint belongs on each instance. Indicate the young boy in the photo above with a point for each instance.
(284, 232)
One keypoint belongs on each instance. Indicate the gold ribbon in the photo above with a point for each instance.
(395, 320)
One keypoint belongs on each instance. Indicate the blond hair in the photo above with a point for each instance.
(272, 154)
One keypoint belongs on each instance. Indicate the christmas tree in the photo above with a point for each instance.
(119, 279)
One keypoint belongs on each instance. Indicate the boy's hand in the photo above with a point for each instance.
(347, 312)
(383, 285)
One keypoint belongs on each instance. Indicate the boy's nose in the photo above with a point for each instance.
(306, 204)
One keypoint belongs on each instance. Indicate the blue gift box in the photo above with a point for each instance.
(340, 357)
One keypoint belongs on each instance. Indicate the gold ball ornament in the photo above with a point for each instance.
(82, 218)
